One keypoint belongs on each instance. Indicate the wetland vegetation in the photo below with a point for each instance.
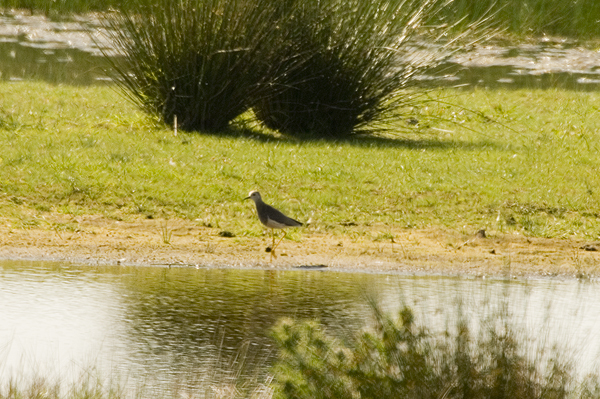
(321, 68)
(507, 161)
(396, 356)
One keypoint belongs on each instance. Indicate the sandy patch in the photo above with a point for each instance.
(98, 240)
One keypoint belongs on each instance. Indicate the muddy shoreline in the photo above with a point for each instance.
(100, 241)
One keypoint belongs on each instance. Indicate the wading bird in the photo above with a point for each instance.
(272, 218)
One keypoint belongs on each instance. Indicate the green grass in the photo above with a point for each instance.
(520, 161)
(573, 18)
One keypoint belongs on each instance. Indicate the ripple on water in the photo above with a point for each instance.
(78, 59)
(149, 323)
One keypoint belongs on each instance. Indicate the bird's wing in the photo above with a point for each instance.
(278, 218)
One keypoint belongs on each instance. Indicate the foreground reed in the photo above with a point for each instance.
(398, 358)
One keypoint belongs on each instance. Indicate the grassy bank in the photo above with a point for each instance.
(523, 161)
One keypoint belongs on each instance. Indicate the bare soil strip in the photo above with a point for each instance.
(98, 240)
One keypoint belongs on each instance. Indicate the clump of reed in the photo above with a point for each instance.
(320, 67)
(397, 358)
(349, 61)
(194, 62)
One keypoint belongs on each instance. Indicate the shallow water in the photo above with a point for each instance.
(155, 325)
(34, 47)
(542, 65)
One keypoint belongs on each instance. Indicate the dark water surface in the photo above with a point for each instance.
(34, 47)
(57, 51)
(150, 324)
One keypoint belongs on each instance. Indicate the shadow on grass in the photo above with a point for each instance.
(359, 140)
(415, 143)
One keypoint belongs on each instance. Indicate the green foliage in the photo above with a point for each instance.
(321, 67)
(313, 365)
(391, 361)
(574, 18)
(347, 60)
(398, 359)
(197, 61)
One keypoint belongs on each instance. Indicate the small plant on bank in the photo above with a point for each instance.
(166, 233)
(197, 61)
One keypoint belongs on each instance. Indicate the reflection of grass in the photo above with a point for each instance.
(535, 172)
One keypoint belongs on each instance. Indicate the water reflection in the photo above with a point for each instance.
(54, 65)
(158, 324)
(34, 47)
(179, 317)
(534, 66)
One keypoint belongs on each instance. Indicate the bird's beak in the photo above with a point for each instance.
(246, 198)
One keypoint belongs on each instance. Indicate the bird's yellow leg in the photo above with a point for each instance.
(273, 255)
(273, 236)
(278, 242)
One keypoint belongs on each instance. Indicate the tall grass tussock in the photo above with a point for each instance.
(351, 60)
(198, 62)
(327, 67)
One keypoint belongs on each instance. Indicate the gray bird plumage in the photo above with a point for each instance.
(271, 217)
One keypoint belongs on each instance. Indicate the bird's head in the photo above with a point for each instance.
(254, 196)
